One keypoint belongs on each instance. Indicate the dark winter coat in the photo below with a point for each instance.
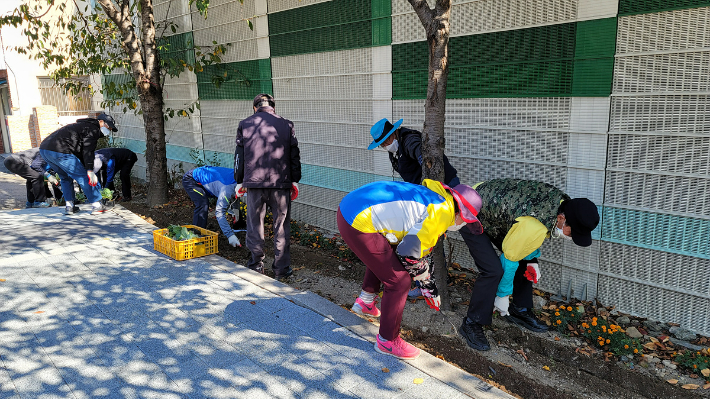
(267, 154)
(78, 138)
(408, 160)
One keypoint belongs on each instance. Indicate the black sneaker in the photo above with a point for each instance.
(474, 335)
(525, 319)
(70, 210)
(283, 277)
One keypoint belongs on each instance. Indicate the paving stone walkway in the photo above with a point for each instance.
(89, 310)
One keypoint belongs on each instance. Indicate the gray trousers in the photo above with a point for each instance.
(279, 201)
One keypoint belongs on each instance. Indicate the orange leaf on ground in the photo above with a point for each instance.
(706, 386)
(440, 357)
(672, 381)
(705, 372)
(418, 380)
(557, 338)
(253, 302)
(2, 279)
(546, 368)
(39, 311)
(504, 365)
(690, 386)
(385, 370)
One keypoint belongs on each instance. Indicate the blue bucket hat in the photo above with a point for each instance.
(381, 130)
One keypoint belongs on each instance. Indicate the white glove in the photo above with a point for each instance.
(501, 304)
(239, 191)
(533, 272)
(234, 241)
(93, 180)
(433, 302)
(51, 179)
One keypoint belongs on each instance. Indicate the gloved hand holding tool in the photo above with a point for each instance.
(234, 241)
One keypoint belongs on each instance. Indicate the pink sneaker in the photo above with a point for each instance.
(365, 309)
(398, 348)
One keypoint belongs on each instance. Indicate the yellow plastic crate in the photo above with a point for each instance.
(182, 250)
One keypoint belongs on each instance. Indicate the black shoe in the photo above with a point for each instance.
(525, 319)
(285, 276)
(474, 335)
(70, 210)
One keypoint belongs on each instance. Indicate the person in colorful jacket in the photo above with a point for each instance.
(517, 217)
(30, 165)
(392, 227)
(211, 181)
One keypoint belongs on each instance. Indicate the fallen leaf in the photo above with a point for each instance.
(706, 386)
(546, 368)
(672, 381)
(504, 365)
(649, 346)
(705, 372)
(522, 352)
(690, 386)
(2, 279)
(440, 357)
(253, 302)
(418, 381)
(652, 339)
(385, 370)
(39, 311)
(557, 338)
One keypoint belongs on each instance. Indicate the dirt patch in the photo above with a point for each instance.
(528, 365)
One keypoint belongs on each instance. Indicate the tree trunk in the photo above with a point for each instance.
(436, 24)
(155, 155)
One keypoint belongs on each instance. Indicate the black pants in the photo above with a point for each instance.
(199, 196)
(490, 272)
(35, 180)
(125, 173)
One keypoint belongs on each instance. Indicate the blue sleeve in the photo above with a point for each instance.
(505, 287)
(110, 170)
(221, 209)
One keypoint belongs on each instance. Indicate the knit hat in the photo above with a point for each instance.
(582, 217)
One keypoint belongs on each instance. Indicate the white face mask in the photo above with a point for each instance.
(456, 227)
(559, 233)
(392, 147)
(106, 131)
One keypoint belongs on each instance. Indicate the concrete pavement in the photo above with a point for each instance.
(89, 310)
(13, 193)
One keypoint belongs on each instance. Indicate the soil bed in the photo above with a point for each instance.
(525, 364)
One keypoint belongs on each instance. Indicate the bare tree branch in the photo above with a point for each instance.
(425, 14)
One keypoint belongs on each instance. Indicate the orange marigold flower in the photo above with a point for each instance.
(557, 313)
(636, 350)
(695, 366)
(569, 308)
(608, 341)
(626, 347)
(594, 323)
(589, 331)
(604, 328)
(559, 321)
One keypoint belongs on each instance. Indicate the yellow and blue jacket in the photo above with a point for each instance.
(410, 216)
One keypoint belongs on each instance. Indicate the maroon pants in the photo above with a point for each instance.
(383, 268)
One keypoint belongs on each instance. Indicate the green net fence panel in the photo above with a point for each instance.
(235, 81)
(330, 26)
(631, 7)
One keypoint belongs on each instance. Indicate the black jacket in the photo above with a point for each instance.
(408, 161)
(77, 138)
(120, 156)
(267, 154)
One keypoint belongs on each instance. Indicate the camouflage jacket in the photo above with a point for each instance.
(504, 200)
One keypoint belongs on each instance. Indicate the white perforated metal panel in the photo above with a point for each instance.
(340, 157)
(282, 5)
(478, 16)
(346, 62)
(670, 30)
(674, 114)
(663, 73)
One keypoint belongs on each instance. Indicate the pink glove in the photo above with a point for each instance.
(294, 191)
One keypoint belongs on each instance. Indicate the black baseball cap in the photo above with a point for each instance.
(582, 216)
(109, 121)
(259, 100)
